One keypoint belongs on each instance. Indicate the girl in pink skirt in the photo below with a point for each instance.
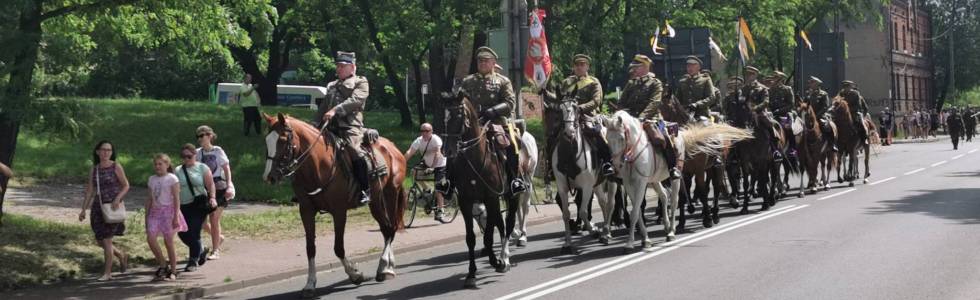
(163, 216)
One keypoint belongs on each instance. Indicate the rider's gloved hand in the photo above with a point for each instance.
(489, 113)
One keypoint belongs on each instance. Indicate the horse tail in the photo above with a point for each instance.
(401, 203)
(711, 139)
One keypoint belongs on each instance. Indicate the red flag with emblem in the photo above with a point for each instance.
(537, 66)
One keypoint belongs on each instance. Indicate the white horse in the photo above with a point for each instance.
(576, 168)
(639, 165)
(529, 163)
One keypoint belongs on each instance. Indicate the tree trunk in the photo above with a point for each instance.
(18, 91)
(419, 100)
(400, 101)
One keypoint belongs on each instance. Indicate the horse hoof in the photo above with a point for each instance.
(690, 209)
(357, 279)
(567, 250)
(800, 195)
(865, 181)
(382, 277)
(670, 238)
(707, 222)
(604, 241)
(522, 243)
(733, 204)
(680, 229)
(503, 269)
(308, 293)
(850, 184)
(469, 283)
(649, 243)
(628, 250)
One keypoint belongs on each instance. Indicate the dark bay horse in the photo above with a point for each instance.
(816, 153)
(753, 157)
(849, 142)
(321, 184)
(479, 176)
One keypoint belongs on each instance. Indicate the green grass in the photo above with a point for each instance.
(140, 128)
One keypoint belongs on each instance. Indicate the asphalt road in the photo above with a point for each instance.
(911, 233)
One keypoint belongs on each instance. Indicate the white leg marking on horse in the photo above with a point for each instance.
(311, 275)
(625, 261)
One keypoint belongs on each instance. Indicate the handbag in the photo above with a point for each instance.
(111, 216)
(200, 201)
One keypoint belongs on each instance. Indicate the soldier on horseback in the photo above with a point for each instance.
(757, 96)
(341, 109)
(859, 107)
(695, 91)
(587, 92)
(642, 99)
(493, 96)
(782, 103)
(819, 100)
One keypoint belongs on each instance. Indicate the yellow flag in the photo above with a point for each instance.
(746, 33)
(806, 40)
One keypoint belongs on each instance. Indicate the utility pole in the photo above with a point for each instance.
(518, 41)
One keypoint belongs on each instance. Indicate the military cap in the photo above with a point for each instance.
(779, 74)
(815, 79)
(639, 60)
(485, 52)
(346, 58)
(691, 59)
(847, 82)
(751, 69)
(735, 80)
(581, 58)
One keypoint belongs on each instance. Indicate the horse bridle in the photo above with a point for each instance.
(464, 146)
(289, 163)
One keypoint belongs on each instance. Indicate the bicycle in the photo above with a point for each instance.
(421, 194)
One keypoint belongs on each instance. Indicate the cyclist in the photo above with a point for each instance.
(430, 146)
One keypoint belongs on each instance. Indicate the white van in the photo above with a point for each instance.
(288, 95)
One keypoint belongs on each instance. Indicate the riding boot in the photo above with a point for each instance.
(361, 175)
(517, 184)
(605, 156)
(671, 157)
(792, 145)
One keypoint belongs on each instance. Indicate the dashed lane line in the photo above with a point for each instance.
(836, 194)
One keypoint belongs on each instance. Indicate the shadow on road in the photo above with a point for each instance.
(961, 205)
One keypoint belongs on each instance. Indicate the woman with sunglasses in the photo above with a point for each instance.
(195, 182)
(216, 160)
(106, 184)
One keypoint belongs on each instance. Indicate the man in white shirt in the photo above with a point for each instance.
(430, 146)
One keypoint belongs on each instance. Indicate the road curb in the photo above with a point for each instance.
(209, 290)
(920, 141)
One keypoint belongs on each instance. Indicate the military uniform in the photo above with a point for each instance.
(347, 97)
(781, 99)
(641, 97)
(819, 100)
(757, 96)
(696, 91)
(857, 105)
(732, 101)
(954, 125)
(493, 96)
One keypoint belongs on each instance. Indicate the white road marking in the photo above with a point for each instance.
(883, 180)
(602, 269)
(974, 150)
(958, 156)
(938, 163)
(914, 171)
(837, 194)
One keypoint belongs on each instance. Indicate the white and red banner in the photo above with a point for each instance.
(537, 66)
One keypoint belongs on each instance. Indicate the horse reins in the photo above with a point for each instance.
(465, 146)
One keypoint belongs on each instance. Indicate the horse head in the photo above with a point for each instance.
(461, 123)
(569, 118)
(842, 110)
(809, 117)
(281, 147)
(618, 134)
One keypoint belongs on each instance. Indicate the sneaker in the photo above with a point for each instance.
(365, 198)
(191, 267)
(517, 186)
(204, 256)
(439, 215)
(215, 255)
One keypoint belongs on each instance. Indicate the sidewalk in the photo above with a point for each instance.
(246, 263)
(925, 140)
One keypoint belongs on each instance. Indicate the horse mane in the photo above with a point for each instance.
(810, 116)
(842, 109)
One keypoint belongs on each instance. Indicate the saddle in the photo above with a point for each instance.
(658, 135)
(794, 124)
(377, 166)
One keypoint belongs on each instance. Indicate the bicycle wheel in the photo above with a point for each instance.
(451, 208)
(413, 199)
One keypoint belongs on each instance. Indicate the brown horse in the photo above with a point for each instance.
(849, 143)
(816, 152)
(698, 167)
(479, 176)
(321, 183)
(752, 160)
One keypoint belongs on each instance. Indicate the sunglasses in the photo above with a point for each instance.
(203, 135)
(187, 156)
(424, 131)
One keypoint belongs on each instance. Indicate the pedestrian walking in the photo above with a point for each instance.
(163, 217)
(248, 98)
(196, 202)
(217, 160)
(104, 192)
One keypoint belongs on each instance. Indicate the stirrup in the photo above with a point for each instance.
(517, 186)
(365, 198)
